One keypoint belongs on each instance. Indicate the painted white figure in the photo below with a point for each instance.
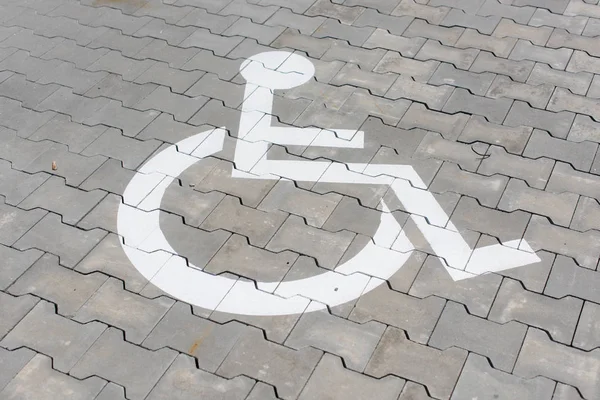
(150, 251)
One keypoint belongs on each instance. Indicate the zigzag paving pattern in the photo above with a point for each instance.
(299, 199)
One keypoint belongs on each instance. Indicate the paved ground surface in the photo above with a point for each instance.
(493, 103)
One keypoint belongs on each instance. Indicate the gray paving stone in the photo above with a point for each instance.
(16, 185)
(23, 121)
(111, 392)
(172, 34)
(557, 59)
(560, 363)
(466, 156)
(114, 87)
(566, 392)
(20, 61)
(54, 195)
(558, 124)
(354, 35)
(110, 176)
(561, 38)
(346, 15)
(446, 36)
(501, 343)
(418, 116)
(61, 129)
(414, 391)
(262, 391)
(542, 144)
(583, 62)
(69, 243)
(513, 140)
(433, 50)
(459, 18)
(115, 62)
(420, 71)
(136, 315)
(449, 75)
(184, 381)
(487, 190)
(15, 264)
(508, 28)
(130, 121)
(26, 384)
(314, 47)
(436, 369)
(543, 17)
(396, 25)
(417, 317)
(433, 15)
(330, 372)
(169, 13)
(565, 178)
(117, 19)
(207, 341)
(559, 208)
(16, 222)
(66, 102)
(535, 172)
(28, 93)
(178, 80)
(487, 62)
(501, 47)
(180, 106)
(562, 100)
(434, 96)
(477, 294)
(68, 289)
(11, 362)
(586, 335)
(587, 215)
(479, 378)
(557, 317)
(576, 82)
(350, 74)
(306, 25)
(288, 370)
(567, 278)
(538, 96)
(584, 247)
(408, 47)
(133, 367)
(160, 50)
(13, 309)
(495, 110)
(58, 337)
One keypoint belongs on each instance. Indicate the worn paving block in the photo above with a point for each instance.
(192, 205)
(567, 278)
(13, 309)
(466, 156)
(583, 62)
(177, 79)
(22, 120)
(115, 62)
(314, 47)
(538, 96)
(542, 144)
(478, 128)
(436, 369)
(77, 107)
(584, 247)
(487, 62)
(182, 107)
(172, 34)
(330, 373)
(354, 35)
(535, 172)
(69, 243)
(71, 203)
(586, 335)
(183, 331)
(68, 289)
(446, 36)
(306, 25)
(557, 59)
(434, 96)
(563, 100)
(258, 226)
(578, 82)
(111, 392)
(288, 370)
(114, 87)
(487, 190)
(414, 391)
(566, 392)
(185, 381)
(396, 25)
(58, 337)
(572, 24)
(420, 71)
(15, 263)
(346, 15)
(16, 222)
(559, 208)
(495, 110)
(133, 367)
(557, 317)
(433, 15)
(433, 50)
(561, 38)
(109, 176)
(477, 294)
(129, 121)
(16, 185)
(61, 129)
(508, 28)
(114, 144)
(565, 178)
(501, 343)
(558, 124)
(448, 74)
(11, 362)
(587, 215)
(261, 390)
(416, 316)
(542, 356)
(38, 380)
(350, 74)
(354, 343)
(501, 47)
(136, 315)
(479, 378)
(67, 74)
(419, 116)
(30, 94)
(408, 47)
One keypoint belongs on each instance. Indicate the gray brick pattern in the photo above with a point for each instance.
(496, 104)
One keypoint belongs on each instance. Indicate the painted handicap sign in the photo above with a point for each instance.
(390, 249)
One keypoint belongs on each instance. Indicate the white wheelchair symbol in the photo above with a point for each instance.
(152, 255)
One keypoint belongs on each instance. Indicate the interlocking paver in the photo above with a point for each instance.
(494, 110)
(433, 50)
(13, 309)
(509, 28)
(99, 360)
(538, 95)
(501, 47)
(508, 306)
(11, 362)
